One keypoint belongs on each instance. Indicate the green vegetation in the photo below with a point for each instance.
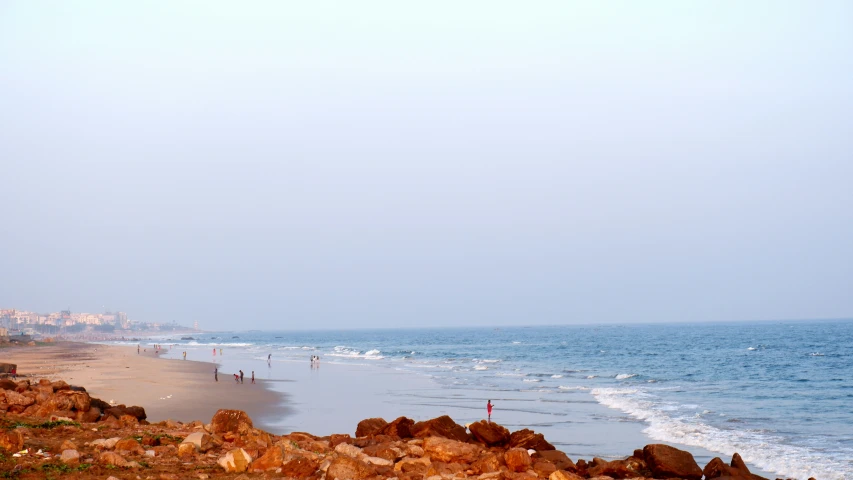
(46, 425)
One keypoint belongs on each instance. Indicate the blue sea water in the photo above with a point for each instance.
(779, 393)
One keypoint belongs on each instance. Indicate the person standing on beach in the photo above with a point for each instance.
(241, 376)
(253, 376)
(216, 373)
(489, 409)
(137, 349)
(269, 359)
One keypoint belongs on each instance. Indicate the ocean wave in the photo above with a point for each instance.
(766, 450)
(556, 376)
(481, 367)
(625, 376)
(531, 380)
(572, 387)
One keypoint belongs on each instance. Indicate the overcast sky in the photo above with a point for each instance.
(381, 164)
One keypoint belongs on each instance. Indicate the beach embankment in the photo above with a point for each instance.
(40, 439)
(181, 390)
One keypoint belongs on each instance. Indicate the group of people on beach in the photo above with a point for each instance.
(315, 360)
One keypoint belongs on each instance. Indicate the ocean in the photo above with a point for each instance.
(778, 393)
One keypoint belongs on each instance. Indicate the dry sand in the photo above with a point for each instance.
(180, 390)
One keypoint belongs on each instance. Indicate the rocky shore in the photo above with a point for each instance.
(50, 429)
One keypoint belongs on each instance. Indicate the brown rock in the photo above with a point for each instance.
(401, 427)
(90, 416)
(233, 421)
(528, 439)
(370, 426)
(385, 450)
(271, 460)
(299, 468)
(517, 460)
(6, 384)
(120, 410)
(128, 421)
(67, 445)
(442, 426)
(525, 475)
(112, 458)
(446, 450)
(564, 475)
(129, 446)
(413, 465)
(79, 401)
(544, 468)
(337, 438)
(669, 462)
(235, 461)
(628, 468)
(15, 398)
(11, 440)
(489, 433)
(186, 451)
(347, 468)
(488, 463)
(560, 460)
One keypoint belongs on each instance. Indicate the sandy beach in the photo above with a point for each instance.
(182, 390)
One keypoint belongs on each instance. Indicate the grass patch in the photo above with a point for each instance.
(46, 425)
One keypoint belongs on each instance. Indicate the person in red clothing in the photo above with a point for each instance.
(489, 409)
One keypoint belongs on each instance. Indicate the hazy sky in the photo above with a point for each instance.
(361, 164)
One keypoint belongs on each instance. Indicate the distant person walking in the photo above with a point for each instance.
(269, 359)
(214, 352)
(137, 349)
(185, 355)
(489, 409)
(241, 376)
(216, 373)
(253, 376)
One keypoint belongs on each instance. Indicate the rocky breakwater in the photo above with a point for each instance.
(231, 447)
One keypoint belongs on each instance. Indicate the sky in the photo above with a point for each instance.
(291, 165)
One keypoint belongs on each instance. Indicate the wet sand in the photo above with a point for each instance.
(182, 390)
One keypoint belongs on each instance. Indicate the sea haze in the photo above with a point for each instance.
(779, 393)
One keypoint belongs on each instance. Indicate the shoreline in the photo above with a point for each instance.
(168, 389)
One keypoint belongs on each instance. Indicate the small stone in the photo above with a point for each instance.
(69, 456)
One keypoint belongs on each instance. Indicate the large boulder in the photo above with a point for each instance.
(348, 468)
(669, 462)
(6, 384)
(370, 426)
(447, 450)
(401, 427)
(487, 463)
(517, 460)
(79, 401)
(7, 367)
(299, 467)
(271, 460)
(490, 433)
(112, 458)
(559, 459)
(442, 426)
(15, 398)
(119, 411)
(231, 421)
(528, 439)
(235, 461)
(738, 470)
(628, 468)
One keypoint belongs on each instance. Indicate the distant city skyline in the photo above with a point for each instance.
(379, 164)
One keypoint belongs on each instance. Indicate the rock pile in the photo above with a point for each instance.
(231, 447)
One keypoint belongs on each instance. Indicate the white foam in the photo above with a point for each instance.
(531, 380)
(623, 376)
(556, 376)
(816, 354)
(751, 348)
(574, 387)
(589, 377)
(767, 451)
(481, 367)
